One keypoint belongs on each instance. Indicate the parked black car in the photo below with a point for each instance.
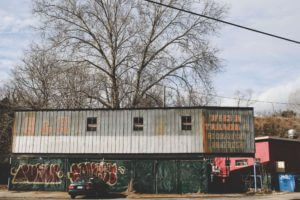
(88, 187)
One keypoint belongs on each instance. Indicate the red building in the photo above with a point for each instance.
(273, 155)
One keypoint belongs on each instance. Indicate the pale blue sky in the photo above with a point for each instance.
(15, 33)
(268, 66)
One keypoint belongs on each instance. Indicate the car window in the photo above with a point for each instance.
(80, 181)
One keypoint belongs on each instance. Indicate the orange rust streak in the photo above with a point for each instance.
(45, 128)
(31, 124)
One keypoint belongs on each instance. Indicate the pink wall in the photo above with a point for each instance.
(261, 152)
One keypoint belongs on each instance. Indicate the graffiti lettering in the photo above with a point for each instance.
(105, 171)
(37, 174)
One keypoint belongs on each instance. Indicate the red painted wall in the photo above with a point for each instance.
(262, 153)
(268, 151)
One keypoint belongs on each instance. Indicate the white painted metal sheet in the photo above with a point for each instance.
(66, 131)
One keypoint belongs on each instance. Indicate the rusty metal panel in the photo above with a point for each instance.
(96, 138)
(14, 133)
(56, 135)
(67, 130)
(142, 142)
(181, 147)
(31, 131)
(159, 131)
(110, 136)
(16, 136)
(24, 126)
(176, 129)
(118, 131)
(135, 134)
(38, 132)
(127, 131)
(171, 130)
(21, 135)
(214, 130)
(18, 122)
(102, 132)
(97, 145)
(73, 130)
(51, 138)
(167, 135)
(81, 133)
(184, 135)
(194, 129)
(107, 124)
(228, 131)
(62, 130)
(199, 132)
(145, 135)
(89, 135)
(165, 143)
(45, 132)
(150, 125)
(113, 131)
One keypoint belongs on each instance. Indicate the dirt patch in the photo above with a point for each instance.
(3, 187)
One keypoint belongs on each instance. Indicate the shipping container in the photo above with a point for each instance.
(200, 130)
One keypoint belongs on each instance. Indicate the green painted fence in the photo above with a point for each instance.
(140, 176)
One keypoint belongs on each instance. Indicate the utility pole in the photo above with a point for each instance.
(254, 171)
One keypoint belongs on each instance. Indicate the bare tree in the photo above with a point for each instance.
(133, 46)
(243, 98)
(294, 101)
(41, 81)
(34, 78)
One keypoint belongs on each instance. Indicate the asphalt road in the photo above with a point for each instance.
(4, 194)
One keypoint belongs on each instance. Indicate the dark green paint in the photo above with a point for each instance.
(30, 186)
(140, 176)
(166, 176)
(144, 176)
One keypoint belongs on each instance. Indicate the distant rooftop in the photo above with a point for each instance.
(275, 138)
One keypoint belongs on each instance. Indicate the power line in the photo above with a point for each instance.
(225, 22)
(242, 27)
(242, 99)
(253, 100)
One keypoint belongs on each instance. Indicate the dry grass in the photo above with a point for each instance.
(275, 125)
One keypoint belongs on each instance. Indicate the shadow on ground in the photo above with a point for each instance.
(107, 196)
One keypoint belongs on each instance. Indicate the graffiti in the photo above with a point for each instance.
(37, 174)
(105, 171)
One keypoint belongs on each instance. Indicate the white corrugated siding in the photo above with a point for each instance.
(65, 132)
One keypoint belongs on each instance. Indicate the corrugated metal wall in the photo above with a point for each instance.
(213, 130)
(141, 176)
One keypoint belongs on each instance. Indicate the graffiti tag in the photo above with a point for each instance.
(105, 171)
(37, 174)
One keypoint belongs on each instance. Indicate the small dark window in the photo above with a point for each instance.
(186, 123)
(241, 163)
(91, 124)
(138, 123)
